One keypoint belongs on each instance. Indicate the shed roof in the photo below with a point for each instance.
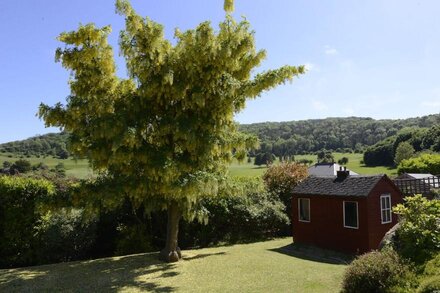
(332, 186)
(419, 175)
(326, 169)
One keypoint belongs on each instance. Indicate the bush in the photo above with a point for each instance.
(380, 154)
(378, 272)
(64, 235)
(22, 166)
(425, 163)
(237, 217)
(20, 200)
(343, 161)
(418, 237)
(404, 151)
(133, 239)
(432, 267)
(281, 179)
(430, 285)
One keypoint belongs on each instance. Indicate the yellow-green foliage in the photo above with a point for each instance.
(425, 163)
(419, 233)
(167, 132)
(20, 199)
(431, 277)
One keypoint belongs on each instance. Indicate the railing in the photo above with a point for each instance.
(423, 186)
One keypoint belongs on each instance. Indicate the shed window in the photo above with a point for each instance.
(385, 208)
(304, 209)
(351, 219)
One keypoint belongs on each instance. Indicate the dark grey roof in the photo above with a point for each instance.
(330, 185)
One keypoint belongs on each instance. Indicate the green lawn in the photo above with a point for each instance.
(80, 168)
(354, 163)
(270, 266)
(76, 168)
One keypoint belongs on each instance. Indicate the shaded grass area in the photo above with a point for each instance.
(269, 266)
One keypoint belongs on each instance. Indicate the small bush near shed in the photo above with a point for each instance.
(418, 238)
(430, 285)
(430, 281)
(379, 272)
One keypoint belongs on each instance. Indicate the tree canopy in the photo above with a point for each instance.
(164, 136)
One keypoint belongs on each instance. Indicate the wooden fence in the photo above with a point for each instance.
(423, 186)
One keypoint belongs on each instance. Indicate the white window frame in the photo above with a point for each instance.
(357, 214)
(299, 210)
(388, 210)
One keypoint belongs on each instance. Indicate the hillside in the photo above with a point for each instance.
(337, 134)
(52, 145)
(279, 138)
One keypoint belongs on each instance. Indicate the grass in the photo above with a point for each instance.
(270, 266)
(75, 168)
(354, 164)
(80, 168)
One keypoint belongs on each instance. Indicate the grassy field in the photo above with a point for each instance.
(354, 163)
(80, 168)
(76, 168)
(270, 266)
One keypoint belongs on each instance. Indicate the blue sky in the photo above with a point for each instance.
(376, 58)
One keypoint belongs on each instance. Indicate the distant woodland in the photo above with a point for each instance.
(48, 145)
(350, 134)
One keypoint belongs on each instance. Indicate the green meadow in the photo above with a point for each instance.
(80, 168)
(354, 163)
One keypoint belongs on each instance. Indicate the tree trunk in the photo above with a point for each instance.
(171, 252)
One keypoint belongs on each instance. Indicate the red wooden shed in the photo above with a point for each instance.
(345, 213)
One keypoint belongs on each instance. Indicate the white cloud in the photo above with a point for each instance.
(311, 67)
(319, 106)
(330, 51)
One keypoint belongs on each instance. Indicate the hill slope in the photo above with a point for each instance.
(354, 133)
(52, 144)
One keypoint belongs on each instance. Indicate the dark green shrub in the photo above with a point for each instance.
(22, 166)
(380, 154)
(133, 239)
(237, 217)
(64, 235)
(377, 272)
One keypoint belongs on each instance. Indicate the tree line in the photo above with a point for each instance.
(48, 145)
(352, 134)
(403, 145)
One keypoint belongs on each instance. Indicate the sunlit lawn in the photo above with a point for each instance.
(80, 168)
(354, 164)
(76, 168)
(270, 266)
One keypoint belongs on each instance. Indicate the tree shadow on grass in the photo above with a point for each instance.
(136, 272)
(202, 255)
(313, 253)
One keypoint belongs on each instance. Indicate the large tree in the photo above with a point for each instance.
(164, 136)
